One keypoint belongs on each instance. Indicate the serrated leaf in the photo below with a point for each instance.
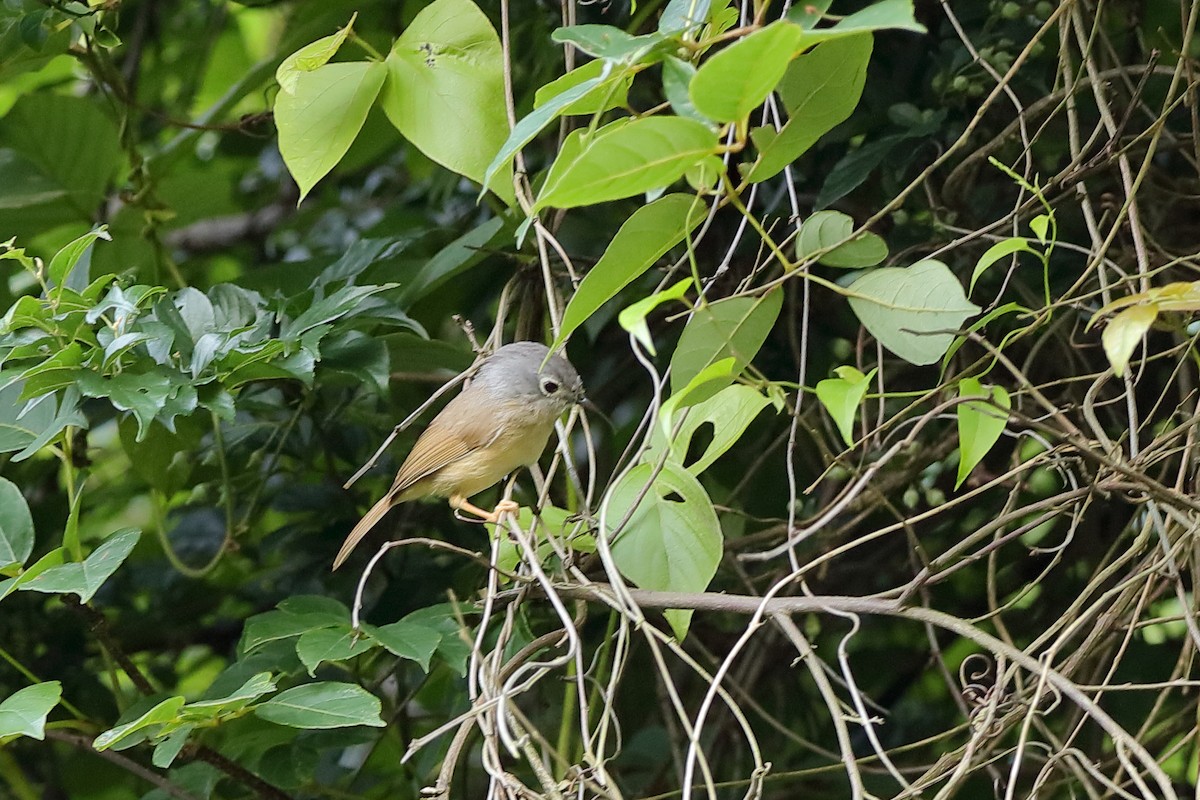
(1124, 332)
(979, 424)
(84, 579)
(830, 231)
(819, 90)
(323, 705)
(24, 712)
(735, 327)
(669, 544)
(913, 311)
(737, 80)
(645, 237)
(626, 160)
(841, 397)
(319, 119)
(729, 412)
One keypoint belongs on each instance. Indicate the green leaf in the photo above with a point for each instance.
(736, 327)
(729, 412)
(68, 414)
(832, 229)
(677, 76)
(720, 371)
(407, 639)
(339, 304)
(629, 159)
(819, 90)
(610, 91)
(254, 688)
(310, 57)
(529, 126)
(673, 540)
(913, 312)
(51, 559)
(897, 14)
(737, 80)
(24, 713)
(274, 625)
(979, 424)
(319, 119)
(21, 422)
(56, 372)
(682, 15)
(66, 258)
(323, 705)
(84, 579)
(645, 237)
(168, 749)
(608, 42)
(633, 318)
(330, 644)
(1123, 333)
(160, 714)
(16, 525)
(445, 90)
(1040, 225)
(842, 396)
(455, 258)
(1002, 248)
(143, 395)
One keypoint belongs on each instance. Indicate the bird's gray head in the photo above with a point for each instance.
(516, 372)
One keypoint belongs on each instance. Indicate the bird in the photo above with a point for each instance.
(499, 423)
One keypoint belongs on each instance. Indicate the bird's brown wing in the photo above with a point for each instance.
(451, 436)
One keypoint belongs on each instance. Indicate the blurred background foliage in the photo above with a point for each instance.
(153, 119)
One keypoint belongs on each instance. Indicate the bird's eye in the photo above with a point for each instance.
(549, 387)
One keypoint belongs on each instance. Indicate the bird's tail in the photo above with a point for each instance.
(369, 520)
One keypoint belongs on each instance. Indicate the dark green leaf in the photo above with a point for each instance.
(323, 705)
(84, 579)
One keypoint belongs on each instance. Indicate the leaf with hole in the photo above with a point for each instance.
(913, 311)
(445, 91)
(729, 412)
(979, 424)
(672, 541)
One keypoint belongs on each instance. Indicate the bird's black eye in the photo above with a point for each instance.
(549, 386)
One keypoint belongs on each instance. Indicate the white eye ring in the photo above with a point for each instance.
(549, 386)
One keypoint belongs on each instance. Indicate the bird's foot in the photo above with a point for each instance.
(462, 507)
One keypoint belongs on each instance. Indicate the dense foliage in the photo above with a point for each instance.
(887, 310)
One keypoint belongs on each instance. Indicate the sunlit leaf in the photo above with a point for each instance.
(24, 712)
(311, 57)
(1002, 248)
(737, 80)
(735, 327)
(1124, 332)
(633, 318)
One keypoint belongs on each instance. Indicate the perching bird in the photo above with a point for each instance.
(499, 423)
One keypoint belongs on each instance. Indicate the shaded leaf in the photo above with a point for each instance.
(330, 644)
(842, 396)
(979, 424)
(323, 705)
(914, 311)
(830, 230)
(736, 327)
(16, 525)
(1002, 248)
(645, 237)
(407, 639)
(84, 579)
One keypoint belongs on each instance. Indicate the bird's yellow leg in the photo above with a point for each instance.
(460, 503)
